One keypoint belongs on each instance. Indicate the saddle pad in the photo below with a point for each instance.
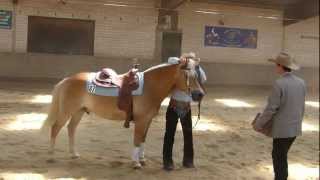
(112, 91)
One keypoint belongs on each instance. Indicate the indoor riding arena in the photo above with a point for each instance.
(43, 43)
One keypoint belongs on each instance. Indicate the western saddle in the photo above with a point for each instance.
(126, 83)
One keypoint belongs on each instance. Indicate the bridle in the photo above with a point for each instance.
(187, 78)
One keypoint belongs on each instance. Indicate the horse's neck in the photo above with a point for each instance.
(161, 81)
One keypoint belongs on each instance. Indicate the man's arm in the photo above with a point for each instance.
(203, 76)
(173, 60)
(304, 94)
(271, 108)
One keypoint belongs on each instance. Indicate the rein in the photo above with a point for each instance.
(199, 111)
(199, 106)
(199, 103)
(189, 91)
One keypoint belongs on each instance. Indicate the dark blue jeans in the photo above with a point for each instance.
(280, 151)
(171, 126)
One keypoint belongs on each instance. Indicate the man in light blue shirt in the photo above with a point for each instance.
(179, 108)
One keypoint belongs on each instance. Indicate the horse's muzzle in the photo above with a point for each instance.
(197, 95)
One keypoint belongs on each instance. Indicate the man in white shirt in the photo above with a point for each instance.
(179, 108)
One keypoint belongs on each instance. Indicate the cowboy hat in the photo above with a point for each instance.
(285, 60)
(191, 55)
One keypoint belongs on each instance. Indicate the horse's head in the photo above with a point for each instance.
(189, 79)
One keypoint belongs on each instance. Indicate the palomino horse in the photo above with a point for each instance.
(71, 100)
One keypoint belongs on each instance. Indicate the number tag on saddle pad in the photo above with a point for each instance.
(92, 88)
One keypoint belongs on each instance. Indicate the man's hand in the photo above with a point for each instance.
(256, 128)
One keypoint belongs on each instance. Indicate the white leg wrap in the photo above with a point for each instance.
(135, 154)
(141, 152)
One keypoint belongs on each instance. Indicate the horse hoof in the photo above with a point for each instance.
(137, 165)
(75, 156)
(143, 163)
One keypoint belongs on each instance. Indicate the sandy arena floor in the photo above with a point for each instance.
(226, 148)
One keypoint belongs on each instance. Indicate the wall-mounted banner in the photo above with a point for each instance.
(230, 37)
(5, 19)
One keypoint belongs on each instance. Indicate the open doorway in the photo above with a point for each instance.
(171, 45)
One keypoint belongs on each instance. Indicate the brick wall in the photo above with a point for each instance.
(192, 24)
(302, 40)
(5, 34)
(119, 31)
(122, 33)
(247, 66)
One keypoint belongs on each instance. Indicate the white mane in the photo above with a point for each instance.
(158, 66)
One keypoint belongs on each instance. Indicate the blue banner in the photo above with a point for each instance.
(5, 19)
(230, 37)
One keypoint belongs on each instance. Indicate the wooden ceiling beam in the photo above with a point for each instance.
(172, 4)
(177, 3)
(243, 3)
(300, 11)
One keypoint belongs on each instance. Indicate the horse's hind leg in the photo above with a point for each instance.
(139, 138)
(142, 158)
(75, 119)
(55, 129)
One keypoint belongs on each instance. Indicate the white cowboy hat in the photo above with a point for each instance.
(285, 60)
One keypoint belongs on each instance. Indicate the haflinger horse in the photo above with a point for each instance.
(70, 100)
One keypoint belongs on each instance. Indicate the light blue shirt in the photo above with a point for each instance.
(181, 95)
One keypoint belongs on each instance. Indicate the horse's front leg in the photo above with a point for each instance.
(139, 138)
(142, 159)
